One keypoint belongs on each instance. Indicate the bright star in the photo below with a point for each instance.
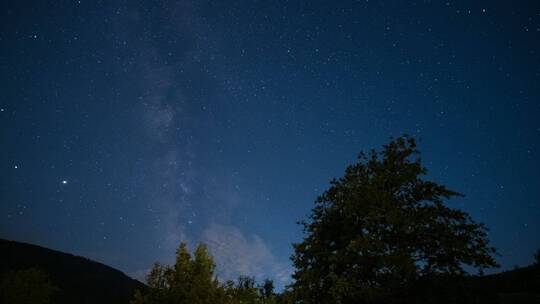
(64, 182)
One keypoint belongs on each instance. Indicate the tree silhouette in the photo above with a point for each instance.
(381, 227)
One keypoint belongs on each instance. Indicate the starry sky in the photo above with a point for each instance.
(129, 126)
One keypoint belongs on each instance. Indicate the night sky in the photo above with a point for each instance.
(129, 126)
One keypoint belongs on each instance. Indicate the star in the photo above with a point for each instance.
(64, 182)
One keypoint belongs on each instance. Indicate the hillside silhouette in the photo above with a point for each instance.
(79, 280)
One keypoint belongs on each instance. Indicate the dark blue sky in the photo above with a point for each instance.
(128, 126)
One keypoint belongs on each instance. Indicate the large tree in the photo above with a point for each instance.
(381, 227)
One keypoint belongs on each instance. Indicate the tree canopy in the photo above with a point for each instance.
(381, 227)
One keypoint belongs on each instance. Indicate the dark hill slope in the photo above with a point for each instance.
(80, 280)
(521, 285)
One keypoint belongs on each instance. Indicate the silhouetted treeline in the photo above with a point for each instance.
(516, 286)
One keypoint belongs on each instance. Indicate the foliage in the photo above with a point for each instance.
(267, 289)
(192, 280)
(246, 291)
(28, 286)
(380, 228)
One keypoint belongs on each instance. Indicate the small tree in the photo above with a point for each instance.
(204, 285)
(266, 292)
(380, 227)
(267, 288)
